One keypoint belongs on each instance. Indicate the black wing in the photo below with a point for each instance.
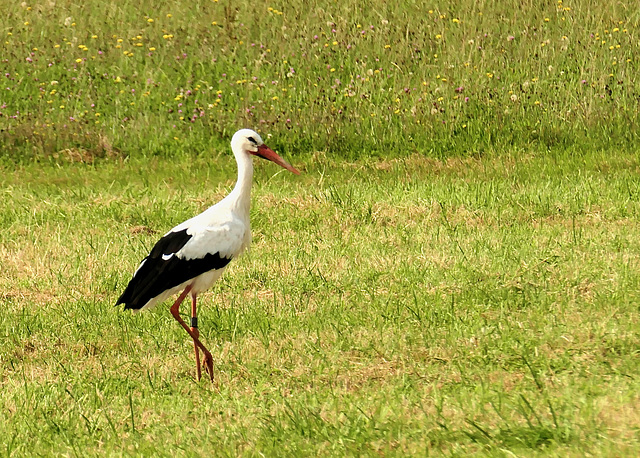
(163, 270)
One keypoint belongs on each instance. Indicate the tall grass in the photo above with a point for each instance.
(349, 78)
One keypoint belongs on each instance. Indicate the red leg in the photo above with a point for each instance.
(175, 311)
(194, 329)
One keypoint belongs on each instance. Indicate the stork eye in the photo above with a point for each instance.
(253, 140)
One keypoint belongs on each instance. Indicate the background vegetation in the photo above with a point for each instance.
(455, 272)
(351, 78)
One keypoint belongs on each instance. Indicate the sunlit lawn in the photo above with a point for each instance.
(455, 271)
(396, 306)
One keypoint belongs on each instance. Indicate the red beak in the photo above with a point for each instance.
(267, 153)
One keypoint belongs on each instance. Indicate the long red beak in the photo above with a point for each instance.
(267, 153)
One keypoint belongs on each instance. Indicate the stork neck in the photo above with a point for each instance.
(242, 189)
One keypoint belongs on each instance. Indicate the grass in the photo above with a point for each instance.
(136, 78)
(401, 306)
(454, 273)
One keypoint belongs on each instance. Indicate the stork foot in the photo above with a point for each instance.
(207, 363)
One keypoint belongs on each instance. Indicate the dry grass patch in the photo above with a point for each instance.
(620, 417)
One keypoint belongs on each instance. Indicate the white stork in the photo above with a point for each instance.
(192, 256)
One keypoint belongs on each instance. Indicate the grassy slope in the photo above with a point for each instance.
(403, 305)
(485, 301)
(347, 77)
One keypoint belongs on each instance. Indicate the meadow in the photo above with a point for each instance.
(455, 272)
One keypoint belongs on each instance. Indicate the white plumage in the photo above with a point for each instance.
(194, 254)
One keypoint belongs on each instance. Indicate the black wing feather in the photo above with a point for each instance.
(156, 275)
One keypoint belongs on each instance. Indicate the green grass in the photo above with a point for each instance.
(447, 276)
(405, 306)
(353, 78)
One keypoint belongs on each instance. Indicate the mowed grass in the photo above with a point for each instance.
(455, 272)
(405, 306)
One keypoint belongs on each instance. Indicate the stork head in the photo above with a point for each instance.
(249, 142)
